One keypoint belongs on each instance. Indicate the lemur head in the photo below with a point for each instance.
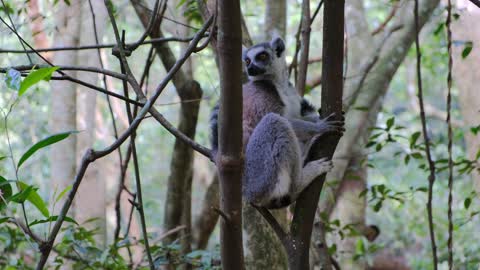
(266, 60)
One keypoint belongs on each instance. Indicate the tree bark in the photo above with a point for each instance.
(465, 77)
(62, 160)
(332, 90)
(90, 201)
(275, 18)
(229, 158)
(207, 219)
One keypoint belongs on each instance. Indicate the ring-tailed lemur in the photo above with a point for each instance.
(279, 127)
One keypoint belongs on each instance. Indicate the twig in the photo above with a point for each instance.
(149, 28)
(124, 67)
(100, 46)
(390, 16)
(431, 165)
(76, 68)
(303, 65)
(450, 135)
(15, 31)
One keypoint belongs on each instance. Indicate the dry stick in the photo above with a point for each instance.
(431, 165)
(450, 135)
(124, 166)
(76, 68)
(91, 155)
(124, 66)
(390, 16)
(99, 46)
(150, 26)
(303, 65)
(297, 37)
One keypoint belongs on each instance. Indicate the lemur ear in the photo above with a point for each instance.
(278, 45)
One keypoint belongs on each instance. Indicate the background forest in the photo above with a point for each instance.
(373, 205)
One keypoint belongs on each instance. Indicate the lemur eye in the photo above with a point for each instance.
(262, 57)
(247, 61)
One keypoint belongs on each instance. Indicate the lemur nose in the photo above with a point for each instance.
(254, 70)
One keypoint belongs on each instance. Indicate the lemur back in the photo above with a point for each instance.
(259, 98)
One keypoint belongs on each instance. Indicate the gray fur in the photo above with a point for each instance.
(279, 127)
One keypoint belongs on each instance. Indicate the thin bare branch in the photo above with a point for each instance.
(431, 165)
(450, 136)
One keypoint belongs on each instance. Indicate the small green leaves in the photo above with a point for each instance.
(35, 199)
(5, 192)
(44, 143)
(467, 202)
(50, 219)
(390, 123)
(467, 49)
(35, 77)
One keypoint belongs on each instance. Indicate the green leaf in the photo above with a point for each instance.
(22, 196)
(439, 29)
(390, 123)
(4, 219)
(44, 143)
(467, 202)
(417, 155)
(36, 200)
(50, 219)
(67, 189)
(361, 108)
(377, 206)
(467, 49)
(5, 192)
(414, 138)
(422, 189)
(35, 77)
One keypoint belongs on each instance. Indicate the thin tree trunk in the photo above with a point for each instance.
(63, 162)
(37, 27)
(207, 219)
(90, 201)
(332, 78)
(465, 77)
(229, 160)
(275, 18)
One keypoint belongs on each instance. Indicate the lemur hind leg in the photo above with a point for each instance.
(272, 161)
(310, 171)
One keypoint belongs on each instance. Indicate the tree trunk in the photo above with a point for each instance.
(62, 160)
(275, 18)
(37, 27)
(207, 219)
(229, 158)
(90, 201)
(466, 79)
(332, 91)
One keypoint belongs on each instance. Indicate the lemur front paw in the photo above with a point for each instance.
(333, 124)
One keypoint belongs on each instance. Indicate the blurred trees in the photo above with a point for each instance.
(372, 209)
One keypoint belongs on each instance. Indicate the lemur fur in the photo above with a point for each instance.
(279, 126)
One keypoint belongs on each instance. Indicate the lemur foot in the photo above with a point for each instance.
(323, 165)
